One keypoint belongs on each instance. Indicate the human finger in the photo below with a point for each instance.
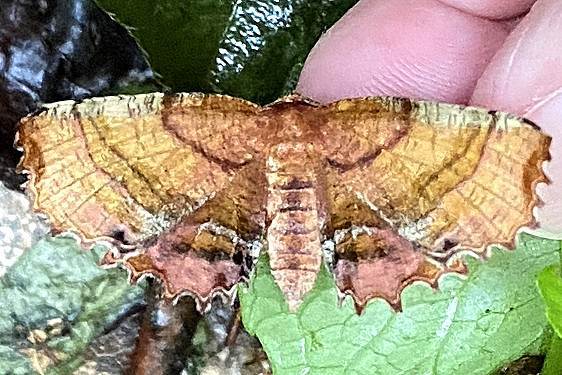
(413, 48)
(525, 78)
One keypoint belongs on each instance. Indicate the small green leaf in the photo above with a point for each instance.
(553, 362)
(550, 286)
(468, 326)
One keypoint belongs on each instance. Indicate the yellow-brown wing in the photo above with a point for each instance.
(442, 177)
(177, 169)
(132, 164)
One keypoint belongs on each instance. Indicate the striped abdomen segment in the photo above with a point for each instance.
(293, 236)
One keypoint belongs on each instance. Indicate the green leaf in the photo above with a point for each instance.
(471, 326)
(57, 280)
(247, 48)
(550, 286)
(553, 362)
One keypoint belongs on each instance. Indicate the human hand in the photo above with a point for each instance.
(488, 53)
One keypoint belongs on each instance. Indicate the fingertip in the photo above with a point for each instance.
(430, 51)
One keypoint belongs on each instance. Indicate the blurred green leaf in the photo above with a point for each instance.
(57, 280)
(471, 326)
(553, 362)
(550, 286)
(247, 48)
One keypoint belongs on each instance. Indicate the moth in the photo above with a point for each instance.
(190, 188)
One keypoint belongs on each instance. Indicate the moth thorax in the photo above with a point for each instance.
(293, 234)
